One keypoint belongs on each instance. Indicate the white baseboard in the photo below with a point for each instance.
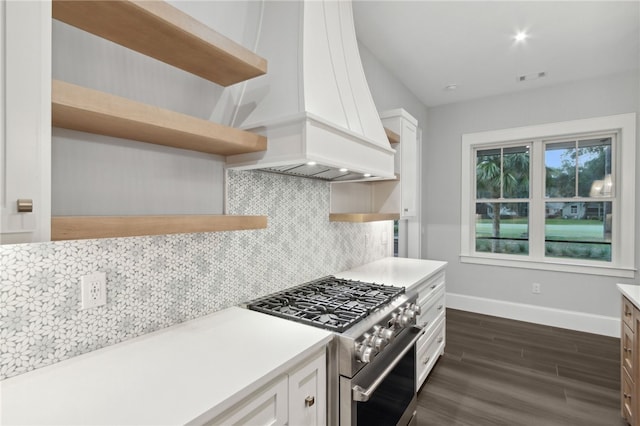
(572, 320)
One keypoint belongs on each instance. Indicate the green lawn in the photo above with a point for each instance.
(577, 238)
(555, 229)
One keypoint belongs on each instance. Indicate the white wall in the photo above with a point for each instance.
(388, 92)
(585, 295)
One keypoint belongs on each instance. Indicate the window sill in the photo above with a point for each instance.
(590, 269)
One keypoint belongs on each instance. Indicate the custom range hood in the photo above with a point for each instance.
(314, 104)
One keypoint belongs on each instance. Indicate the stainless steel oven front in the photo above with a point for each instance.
(383, 392)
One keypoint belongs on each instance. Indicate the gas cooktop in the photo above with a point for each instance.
(331, 303)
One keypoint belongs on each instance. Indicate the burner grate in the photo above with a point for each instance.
(331, 303)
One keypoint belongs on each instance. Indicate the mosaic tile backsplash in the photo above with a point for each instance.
(155, 282)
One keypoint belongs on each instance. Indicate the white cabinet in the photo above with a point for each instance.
(297, 398)
(431, 299)
(371, 200)
(406, 158)
(25, 111)
(307, 393)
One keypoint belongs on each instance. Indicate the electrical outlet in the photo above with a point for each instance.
(535, 288)
(93, 290)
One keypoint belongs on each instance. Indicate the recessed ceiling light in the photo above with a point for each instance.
(451, 87)
(520, 36)
(311, 163)
(367, 175)
(343, 170)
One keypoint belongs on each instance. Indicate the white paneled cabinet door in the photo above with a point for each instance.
(409, 169)
(308, 393)
(406, 159)
(25, 114)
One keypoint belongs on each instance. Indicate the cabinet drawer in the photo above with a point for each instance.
(429, 348)
(627, 349)
(429, 286)
(268, 406)
(628, 399)
(627, 312)
(431, 311)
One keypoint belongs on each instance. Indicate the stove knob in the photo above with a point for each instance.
(416, 308)
(405, 319)
(400, 319)
(380, 343)
(393, 322)
(367, 353)
(385, 333)
(366, 339)
(409, 313)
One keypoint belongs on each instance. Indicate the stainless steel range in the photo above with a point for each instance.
(371, 365)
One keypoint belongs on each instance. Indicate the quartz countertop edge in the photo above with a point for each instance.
(396, 271)
(631, 292)
(192, 370)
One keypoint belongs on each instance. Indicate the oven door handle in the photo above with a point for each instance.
(362, 395)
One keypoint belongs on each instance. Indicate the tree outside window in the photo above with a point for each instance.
(579, 170)
(502, 174)
(556, 196)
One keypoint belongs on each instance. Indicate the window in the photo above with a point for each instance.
(558, 196)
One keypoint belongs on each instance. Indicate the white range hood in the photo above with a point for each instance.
(314, 104)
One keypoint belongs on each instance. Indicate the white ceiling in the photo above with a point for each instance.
(431, 44)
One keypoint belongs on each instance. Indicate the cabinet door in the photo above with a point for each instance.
(409, 169)
(308, 393)
(25, 108)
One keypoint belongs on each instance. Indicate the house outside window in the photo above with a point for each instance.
(558, 196)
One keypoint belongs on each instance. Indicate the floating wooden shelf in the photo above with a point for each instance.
(84, 227)
(159, 30)
(362, 217)
(78, 108)
(393, 137)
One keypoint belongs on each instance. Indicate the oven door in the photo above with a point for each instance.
(384, 391)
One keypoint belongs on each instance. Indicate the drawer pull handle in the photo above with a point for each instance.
(426, 360)
(25, 205)
(626, 349)
(309, 401)
(440, 339)
(434, 286)
(626, 313)
(626, 395)
(440, 307)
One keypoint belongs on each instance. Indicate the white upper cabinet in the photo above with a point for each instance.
(25, 114)
(406, 158)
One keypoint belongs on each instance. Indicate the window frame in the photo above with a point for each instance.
(623, 243)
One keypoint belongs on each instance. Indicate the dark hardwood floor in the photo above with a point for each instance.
(497, 371)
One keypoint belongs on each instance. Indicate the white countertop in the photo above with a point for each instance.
(167, 377)
(395, 271)
(631, 292)
(175, 375)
